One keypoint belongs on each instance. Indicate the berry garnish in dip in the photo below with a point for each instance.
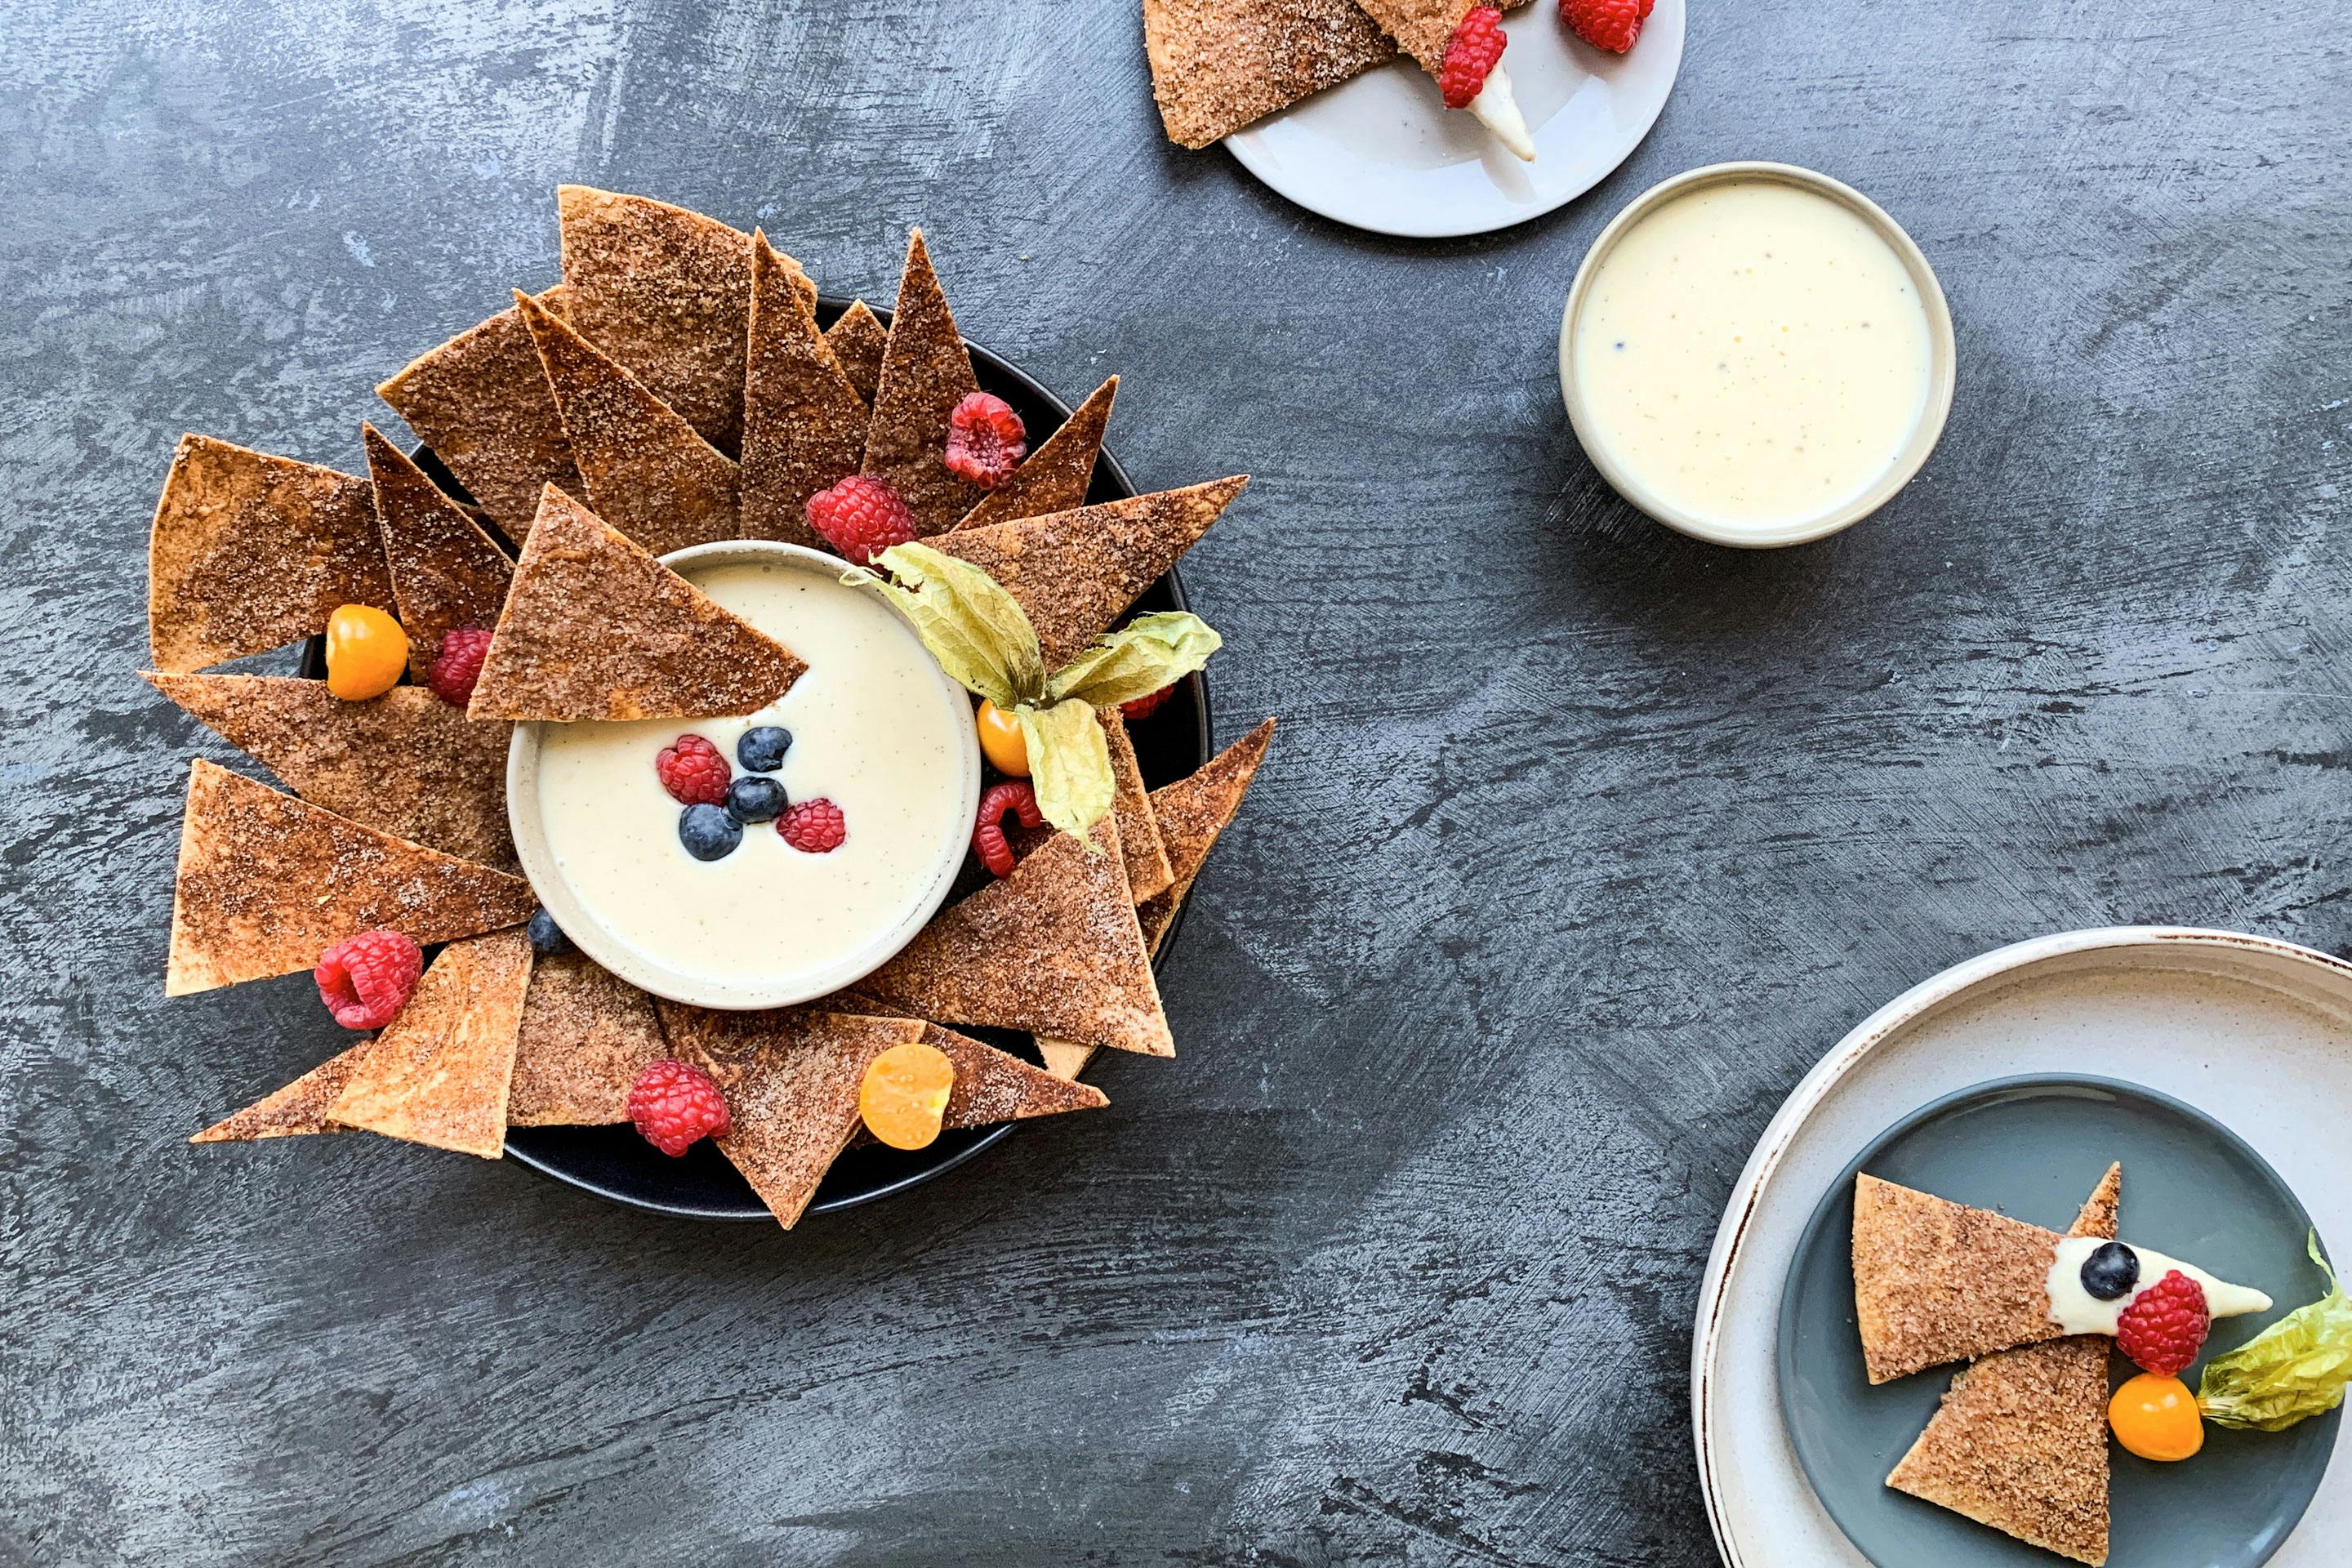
(814, 827)
(2165, 1324)
(708, 832)
(2111, 1271)
(762, 748)
(676, 1105)
(693, 772)
(756, 798)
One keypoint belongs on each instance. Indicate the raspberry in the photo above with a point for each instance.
(676, 1105)
(2165, 1324)
(861, 517)
(459, 665)
(1476, 46)
(814, 827)
(1017, 796)
(1150, 702)
(693, 772)
(986, 440)
(1610, 24)
(366, 980)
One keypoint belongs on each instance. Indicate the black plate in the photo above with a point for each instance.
(614, 1163)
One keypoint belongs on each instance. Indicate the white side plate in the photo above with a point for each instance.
(1383, 153)
(2255, 1032)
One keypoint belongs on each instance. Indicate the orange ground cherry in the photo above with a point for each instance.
(366, 652)
(2156, 1418)
(1002, 741)
(905, 1094)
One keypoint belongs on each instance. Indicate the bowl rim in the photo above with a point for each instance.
(650, 973)
(1943, 359)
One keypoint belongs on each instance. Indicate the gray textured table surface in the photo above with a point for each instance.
(1579, 844)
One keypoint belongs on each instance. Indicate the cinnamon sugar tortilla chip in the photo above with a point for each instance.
(666, 293)
(405, 763)
(296, 1111)
(804, 423)
(994, 1086)
(1219, 65)
(438, 1073)
(1148, 871)
(446, 573)
(482, 403)
(1056, 477)
(587, 1035)
(648, 473)
(1421, 28)
(249, 552)
(597, 628)
(1054, 949)
(1076, 572)
(1191, 813)
(857, 341)
(1935, 1282)
(791, 1080)
(268, 882)
(926, 371)
(2020, 1443)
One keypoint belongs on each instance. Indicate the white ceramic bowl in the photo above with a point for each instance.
(1943, 358)
(649, 974)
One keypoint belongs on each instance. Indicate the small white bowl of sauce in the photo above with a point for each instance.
(1755, 355)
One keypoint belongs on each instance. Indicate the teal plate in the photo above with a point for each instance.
(2033, 1147)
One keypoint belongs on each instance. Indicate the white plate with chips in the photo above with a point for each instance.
(1383, 152)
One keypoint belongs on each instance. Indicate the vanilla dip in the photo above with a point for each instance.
(1754, 353)
(2077, 1311)
(875, 728)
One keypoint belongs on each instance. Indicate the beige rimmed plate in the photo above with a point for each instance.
(1942, 365)
(784, 988)
(2254, 1032)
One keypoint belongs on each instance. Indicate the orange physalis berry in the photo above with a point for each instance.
(366, 652)
(1002, 741)
(2156, 1418)
(905, 1094)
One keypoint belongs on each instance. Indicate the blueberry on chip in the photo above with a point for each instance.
(761, 750)
(2111, 1271)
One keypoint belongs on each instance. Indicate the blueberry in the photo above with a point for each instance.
(755, 799)
(763, 750)
(2111, 1271)
(547, 938)
(708, 833)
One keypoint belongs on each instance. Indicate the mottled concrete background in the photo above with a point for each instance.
(1579, 844)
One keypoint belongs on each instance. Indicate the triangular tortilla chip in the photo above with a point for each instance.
(2021, 1440)
(804, 423)
(1935, 1282)
(1421, 28)
(438, 1073)
(926, 371)
(991, 1085)
(1053, 948)
(587, 1035)
(1147, 872)
(647, 471)
(249, 552)
(791, 1081)
(293, 1111)
(482, 403)
(597, 628)
(1056, 477)
(667, 293)
(268, 882)
(446, 573)
(1076, 572)
(1191, 813)
(405, 763)
(857, 341)
(1219, 65)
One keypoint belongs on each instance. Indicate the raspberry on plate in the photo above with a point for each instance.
(861, 517)
(986, 440)
(676, 1105)
(1018, 796)
(693, 772)
(1611, 24)
(1471, 55)
(2165, 1324)
(459, 665)
(814, 827)
(366, 980)
(1150, 702)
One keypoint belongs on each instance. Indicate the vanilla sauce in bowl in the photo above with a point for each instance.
(1755, 355)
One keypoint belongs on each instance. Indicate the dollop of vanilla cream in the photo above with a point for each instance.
(1497, 108)
(2077, 1312)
